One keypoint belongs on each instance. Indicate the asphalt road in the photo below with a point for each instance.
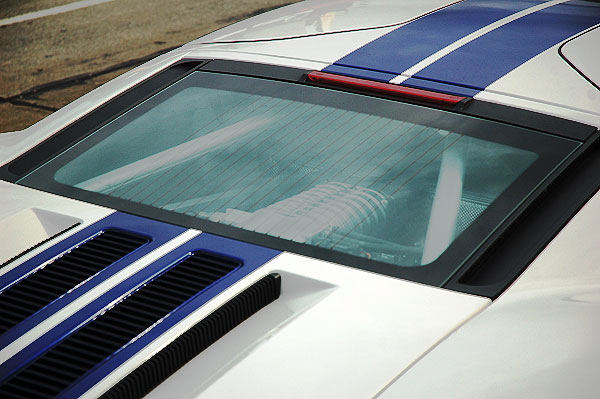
(77, 47)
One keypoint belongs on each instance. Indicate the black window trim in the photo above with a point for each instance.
(472, 276)
(86, 125)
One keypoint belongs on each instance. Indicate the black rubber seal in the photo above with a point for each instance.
(495, 266)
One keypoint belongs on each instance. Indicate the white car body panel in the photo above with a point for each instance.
(303, 52)
(341, 332)
(535, 86)
(316, 17)
(370, 328)
(22, 203)
(578, 54)
(532, 339)
(392, 321)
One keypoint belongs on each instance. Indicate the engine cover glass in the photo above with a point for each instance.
(353, 175)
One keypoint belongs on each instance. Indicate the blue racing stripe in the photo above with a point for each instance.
(360, 73)
(396, 51)
(158, 232)
(252, 256)
(486, 59)
(440, 87)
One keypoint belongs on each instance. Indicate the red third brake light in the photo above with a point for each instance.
(385, 88)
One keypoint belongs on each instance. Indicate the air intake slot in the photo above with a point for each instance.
(188, 345)
(42, 287)
(79, 353)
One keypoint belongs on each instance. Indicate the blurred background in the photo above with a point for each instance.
(54, 51)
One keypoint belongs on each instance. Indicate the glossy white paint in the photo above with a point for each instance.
(30, 227)
(547, 84)
(335, 332)
(16, 200)
(305, 52)
(536, 341)
(341, 332)
(30, 336)
(578, 53)
(318, 17)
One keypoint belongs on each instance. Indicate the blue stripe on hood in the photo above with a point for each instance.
(158, 232)
(398, 50)
(252, 257)
(477, 64)
(486, 59)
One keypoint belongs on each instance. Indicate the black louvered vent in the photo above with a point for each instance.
(39, 289)
(183, 349)
(58, 368)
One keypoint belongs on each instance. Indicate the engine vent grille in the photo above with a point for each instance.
(183, 349)
(37, 290)
(64, 364)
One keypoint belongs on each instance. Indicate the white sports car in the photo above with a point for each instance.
(335, 199)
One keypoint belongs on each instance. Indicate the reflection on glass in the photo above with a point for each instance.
(366, 185)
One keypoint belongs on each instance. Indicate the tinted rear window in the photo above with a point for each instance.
(350, 178)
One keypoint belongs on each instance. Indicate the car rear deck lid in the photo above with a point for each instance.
(316, 17)
(30, 228)
(577, 53)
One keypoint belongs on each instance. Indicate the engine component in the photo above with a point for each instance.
(314, 213)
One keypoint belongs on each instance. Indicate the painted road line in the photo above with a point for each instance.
(52, 11)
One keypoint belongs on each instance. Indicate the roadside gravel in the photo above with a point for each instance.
(92, 39)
